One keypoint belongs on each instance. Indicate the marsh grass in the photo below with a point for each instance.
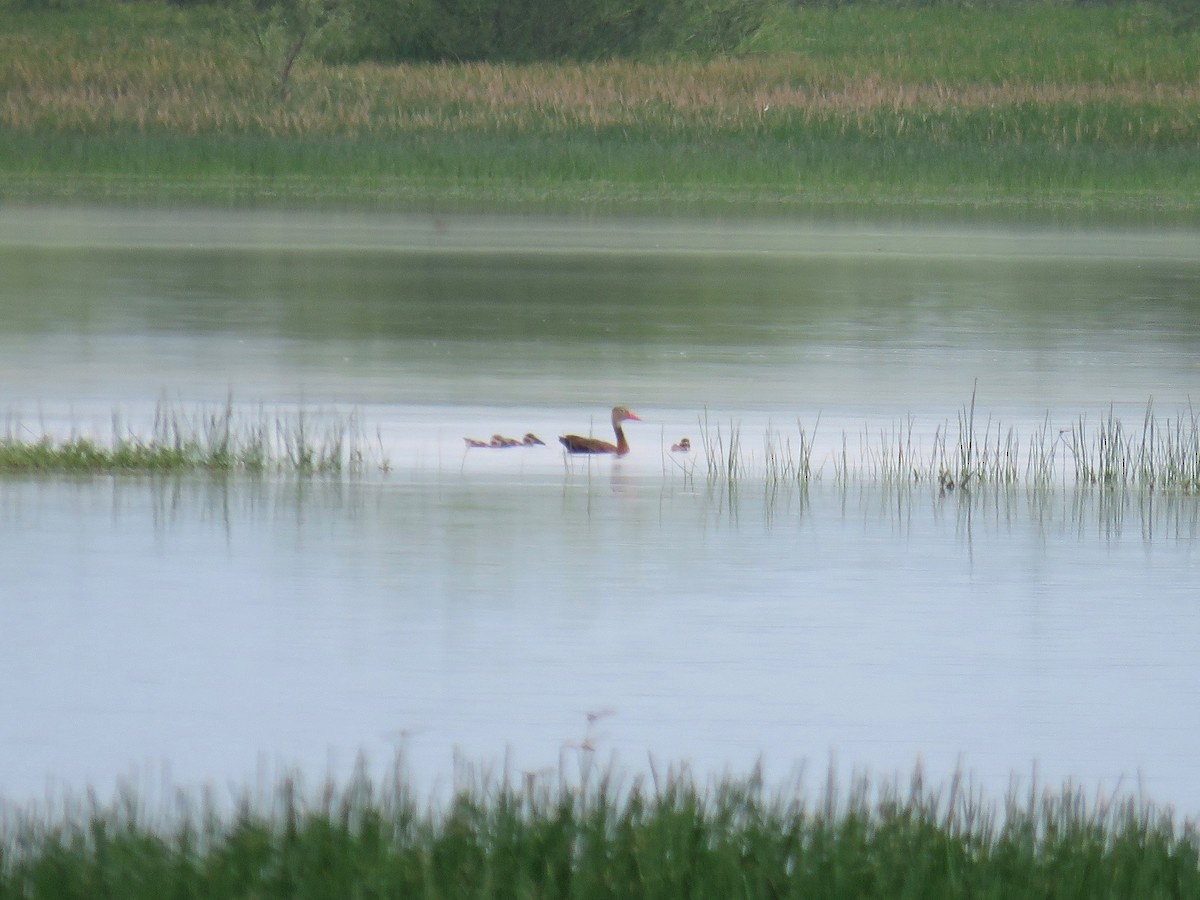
(217, 439)
(1086, 104)
(594, 833)
(723, 450)
(1162, 453)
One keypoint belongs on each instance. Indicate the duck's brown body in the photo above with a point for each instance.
(578, 444)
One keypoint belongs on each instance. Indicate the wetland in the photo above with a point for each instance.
(913, 614)
(485, 602)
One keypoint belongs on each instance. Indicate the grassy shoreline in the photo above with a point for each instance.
(1037, 109)
(590, 835)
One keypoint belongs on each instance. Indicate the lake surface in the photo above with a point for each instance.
(485, 602)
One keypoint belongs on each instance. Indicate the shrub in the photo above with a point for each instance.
(528, 30)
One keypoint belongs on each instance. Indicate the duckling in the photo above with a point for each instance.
(499, 441)
(684, 446)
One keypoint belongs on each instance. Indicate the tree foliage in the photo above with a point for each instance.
(526, 30)
(281, 30)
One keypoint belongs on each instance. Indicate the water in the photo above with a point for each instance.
(486, 602)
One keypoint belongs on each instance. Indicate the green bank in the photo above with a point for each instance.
(1020, 108)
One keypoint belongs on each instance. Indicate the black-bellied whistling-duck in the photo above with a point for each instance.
(684, 446)
(577, 444)
(499, 440)
(532, 439)
(473, 442)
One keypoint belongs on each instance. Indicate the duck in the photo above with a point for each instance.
(499, 441)
(684, 446)
(578, 444)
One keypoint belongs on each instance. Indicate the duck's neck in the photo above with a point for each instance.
(622, 444)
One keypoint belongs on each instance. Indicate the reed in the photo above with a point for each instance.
(722, 450)
(218, 439)
(1042, 458)
(1163, 454)
(893, 457)
(599, 835)
(787, 461)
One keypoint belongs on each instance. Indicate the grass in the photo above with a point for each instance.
(1076, 106)
(1162, 453)
(221, 439)
(590, 835)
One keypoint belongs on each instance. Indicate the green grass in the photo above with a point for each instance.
(592, 836)
(1024, 106)
(1036, 42)
(218, 440)
(1160, 453)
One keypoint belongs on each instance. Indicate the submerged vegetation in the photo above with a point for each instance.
(1023, 105)
(591, 836)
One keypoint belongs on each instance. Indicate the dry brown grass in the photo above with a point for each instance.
(105, 80)
(167, 92)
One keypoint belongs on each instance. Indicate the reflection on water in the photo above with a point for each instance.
(232, 505)
(487, 601)
(205, 622)
(769, 320)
